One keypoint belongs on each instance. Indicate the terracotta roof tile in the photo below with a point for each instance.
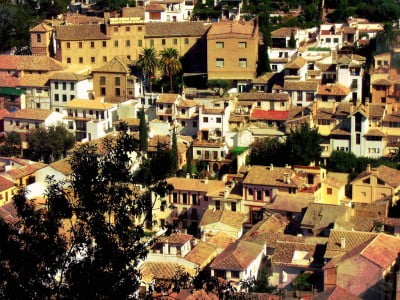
(300, 85)
(388, 175)
(165, 29)
(167, 98)
(290, 203)
(89, 104)
(34, 80)
(175, 238)
(8, 212)
(263, 96)
(160, 270)
(336, 293)
(41, 27)
(283, 32)
(376, 110)
(202, 254)
(24, 171)
(260, 114)
(5, 184)
(333, 182)
(333, 90)
(297, 63)
(374, 132)
(80, 32)
(7, 80)
(68, 76)
(62, 166)
(321, 216)
(231, 218)
(262, 175)
(29, 63)
(237, 256)
(118, 64)
(382, 81)
(228, 29)
(192, 184)
(154, 7)
(30, 114)
(285, 254)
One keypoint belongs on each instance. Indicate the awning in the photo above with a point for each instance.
(11, 91)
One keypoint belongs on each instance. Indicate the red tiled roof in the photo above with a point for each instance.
(260, 114)
(30, 114)
(29, 63)
(7, 80)
(25, 171)
(175, 238)
(154, 7)
(5, 183)
(8, 212)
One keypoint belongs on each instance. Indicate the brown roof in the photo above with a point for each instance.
(24, 171)
(339, 131)
(68, 76)
(352, 239)
(41, 27)
(262, 175)
(202, 254)
(5, 184)
(333, 90)
(300, 85)
(321, 216)
(376, 110)
(297, 63)
(326, 67)
(264, 96)
(154, 7)
(186, 103)
(291, 203)
(333, 182)
(237, 256)
(324, 113)
(285, 253)
(374, 132)
(336, 293)
(161, 270)
(283, 32)
(34, 80)
(62, 166)
(8, 212)
(175, 238)
(165, 29)
(382, 81)
(392, 118)
(227, 29)
(30, 114)
(118, 64)
(29, 63)
(89, 104)
(221, 240)
(388, 175)
(231, 218)
(80, 32)
(167, 98)
(192, 184)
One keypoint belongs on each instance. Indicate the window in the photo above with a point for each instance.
(364, 194)
(186, 41)
(219, 45)
(56, 85)
(72, 86)
(17, 123)
(139, 28)
(367, 181)
(274, 67)
(175, 197)
(235, 274)
(81, 60)
(184, 198)
(127, 43)
(329, 191)
(233, 206)
(128, 57)
(259, 195)
(104, 44)
(151, 43)
(115, 29)
(194, 199)
(56, 97)
(250, 191)
(358, 139)
(242, 62)
(64, 98)
(336, 40)
(205, 119)
(91, 44)
(38, 38)
(115, 44)
(194, 123)
(139, 43)
(118, 92)
(219, 62)
(175, 41)
(105, 58)
(328, 40)
(117, 81)
(68, 45)
(68, 60)
(163, 42)
(93, 59)
(64, 86)
(103, 91)
(102, 80)
(219, 120)
(127, 29)
(242, 45)
(217, 205)
(380, 182)
(80, 44)
(71, 97)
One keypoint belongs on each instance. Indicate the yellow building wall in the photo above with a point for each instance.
(336, 195)
(231, 53)
(369, 193)
(6, 195)
(110, 85)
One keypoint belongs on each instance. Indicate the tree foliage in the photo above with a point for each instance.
(85, 243)
(12, 145)
(50, 144)
(149, 63)
(170, 64)
(143, 136)
(174, 154)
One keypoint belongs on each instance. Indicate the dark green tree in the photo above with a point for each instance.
(268, 151)
(50, 144)
(149, 63)
(292, 41)
(85, 244)
(386, 39)
(303, 145)
(174, 154)
(170, 64)
(341, 161)
(12, 145)
(143, 136)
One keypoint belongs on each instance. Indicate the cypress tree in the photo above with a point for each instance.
(142, 131)
(174, 153)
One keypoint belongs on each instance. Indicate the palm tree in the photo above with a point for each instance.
(386, 39)
(170, 64)
(148, 63)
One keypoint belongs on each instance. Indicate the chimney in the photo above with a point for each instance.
(271, 167)
(342, 243)
(369, 168)
(206, 180)
(187, 175)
